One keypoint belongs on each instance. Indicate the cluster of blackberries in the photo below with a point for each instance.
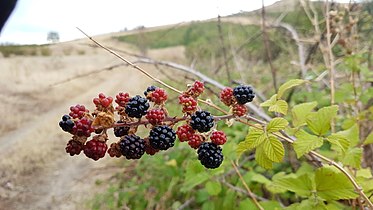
(150, 111)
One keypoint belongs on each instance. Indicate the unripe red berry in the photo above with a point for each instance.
(218, 137)
(184, 132)
(196, 89)
(239, 110)
(226, 96)
(77, 111)
(95, 149)
(155, 116)
(122, 99)
(195, 140)
(189, 103)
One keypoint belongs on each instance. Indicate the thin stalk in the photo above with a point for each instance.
(251, 194)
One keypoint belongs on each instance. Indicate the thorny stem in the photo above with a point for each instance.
(247, 187)
(357, 187)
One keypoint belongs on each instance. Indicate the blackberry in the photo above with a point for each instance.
(66, 123)
(137, 107)
(95, 149)
(74, 147)
(202, 121)
(162, 137)
(149, 89)
(243, 94)
(210, 155)
(132, 146)
(121, 131)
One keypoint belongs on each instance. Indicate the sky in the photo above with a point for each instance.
(31, 20)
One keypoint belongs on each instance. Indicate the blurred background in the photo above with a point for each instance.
(47, 65)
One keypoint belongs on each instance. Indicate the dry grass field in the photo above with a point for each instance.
(35, 171)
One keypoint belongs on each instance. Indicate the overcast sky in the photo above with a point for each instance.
(33, 19)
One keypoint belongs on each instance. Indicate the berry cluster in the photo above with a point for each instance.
(237, 98)
(198, 128)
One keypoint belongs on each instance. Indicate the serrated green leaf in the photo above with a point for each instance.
(260, 179)
(302, 185)
(301, 111)
(319, 122)
(339, 141)
(369, 139)
(306, 142)
(274, 149)
(287, 85)
(352, 134)
(213, 188)
(353, 157)
(277, 124)
(333, 185)
(270, 101)
(254, 138)
(262, 159)
(280, 106)
(308, 204)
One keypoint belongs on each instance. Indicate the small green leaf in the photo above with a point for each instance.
(309, 204)
(369, 139)
(333, 185)
(301, 111)
(353, 157)
(260, 179)
(287, 85)
(262, 159)
(364, 173)
(302, 185)
(277, 124)
(269, 102)
(274, 149)
(340, 141)
(252, 140)
(213, 188)
(306, 142)
(247, 204)
(280, 106)
(352, 134)
(319, 122)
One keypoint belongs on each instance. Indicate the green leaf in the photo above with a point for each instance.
(194, 176)
(333, 185)
(270, 205)
(270, 101)
(277, 124)
(262, 159)
(306, 142)
(301, 111)
(280, 106)
(353, 157)
(364, 173)
(287, 85)
(319, 122)
(308, 204)
(260, 179)
(274, 149)
(352, 134)
(340, 141)
(213, 188)
(247, 204)
(302, 185)
(254, 138)
(369, 139)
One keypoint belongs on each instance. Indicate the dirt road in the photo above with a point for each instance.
(35, 171)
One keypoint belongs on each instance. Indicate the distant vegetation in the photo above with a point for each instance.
(24, 50)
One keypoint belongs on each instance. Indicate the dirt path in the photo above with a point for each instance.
(35, 171)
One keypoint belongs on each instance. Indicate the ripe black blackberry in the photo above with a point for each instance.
(121, 131)
(202, 121)
(132, 146)
(162, 137)
(66, 123)
(243, 94)
(149, 89)
(210, 155)
(137, 107)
